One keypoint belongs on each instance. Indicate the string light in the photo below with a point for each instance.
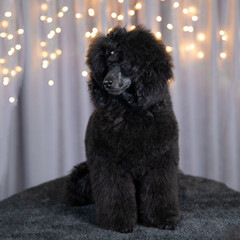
(87, 34)
(95, 30)
(194, 18)
(120, 1)
(53, 56)
(200, 55)
(60, 14)
(138, 6)
(131, 12)
(201, 36)
(169, 49)
(132, 27)
(18, 47)
(176, 4)
(84, 73)
(4, 23)
(20, 31)
(93, 34)
(188, 29)
(120, 17)
(43, 44)
(224, 37)
(58, 30)
(223, 55)
(158, 18)
(65, 9)
(91, 12)
(113, 15)
(192, 9)
(58, 52)
(18, 68)
(169, 26)
(43, 18)
(221, 32)
(45, 64)
(158, 35)
(190, 47)
(49, 19)
(2, 60)
(44, 6)
(3, 34)
(10, 37)
(6, 81)
(78, 15)
(8, 14)
(50, 83)
(185, 11)
(5, 71)
(44, 54)
(13, 73)
(11, 51)
(11, 99)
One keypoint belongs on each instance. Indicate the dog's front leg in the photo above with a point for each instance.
(114, 195)
(157, 196)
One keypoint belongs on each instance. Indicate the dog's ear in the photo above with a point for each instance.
(152, 84)
(96, 57)
(96, 61)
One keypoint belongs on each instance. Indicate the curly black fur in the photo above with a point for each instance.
(132, 136)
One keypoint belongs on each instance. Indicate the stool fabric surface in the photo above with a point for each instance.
(208, 210)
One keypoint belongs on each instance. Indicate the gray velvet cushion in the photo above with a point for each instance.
(209, 210)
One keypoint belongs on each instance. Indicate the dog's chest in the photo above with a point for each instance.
(131, 134)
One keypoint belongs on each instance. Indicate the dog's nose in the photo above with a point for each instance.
(108, 82)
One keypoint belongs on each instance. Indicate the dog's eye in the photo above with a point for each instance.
(112, 52)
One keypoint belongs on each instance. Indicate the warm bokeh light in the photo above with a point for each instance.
(200, 55)
(223, 55)
(185, 11)
(201, 36)
(158, 35)
(84, 73)
(194, 18)
(43, 44)
(51, 83)
(120, 17)
(169, 49)
(18, 68)
(176, 4)
(4, 23)
(91, 12)
(8, 14)
(131, 12)
(78, 15)
(158, 18)
(113, 15)
(44, 6)
(44, 54)
(138, 6)
(65, 9)
(87, 34)
(11, 99)
(169, 26)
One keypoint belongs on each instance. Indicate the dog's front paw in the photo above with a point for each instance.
(125, 229)
(169, 223)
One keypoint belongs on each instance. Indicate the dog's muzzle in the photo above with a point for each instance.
(115, 83)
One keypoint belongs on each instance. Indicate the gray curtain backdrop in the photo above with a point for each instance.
(42, 127)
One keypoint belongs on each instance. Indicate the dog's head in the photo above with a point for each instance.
(130, 66)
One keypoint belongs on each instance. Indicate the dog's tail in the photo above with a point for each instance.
(78, 186)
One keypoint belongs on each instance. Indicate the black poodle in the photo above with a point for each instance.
(132, 136)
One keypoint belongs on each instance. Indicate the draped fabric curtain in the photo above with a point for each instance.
(44, 102)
